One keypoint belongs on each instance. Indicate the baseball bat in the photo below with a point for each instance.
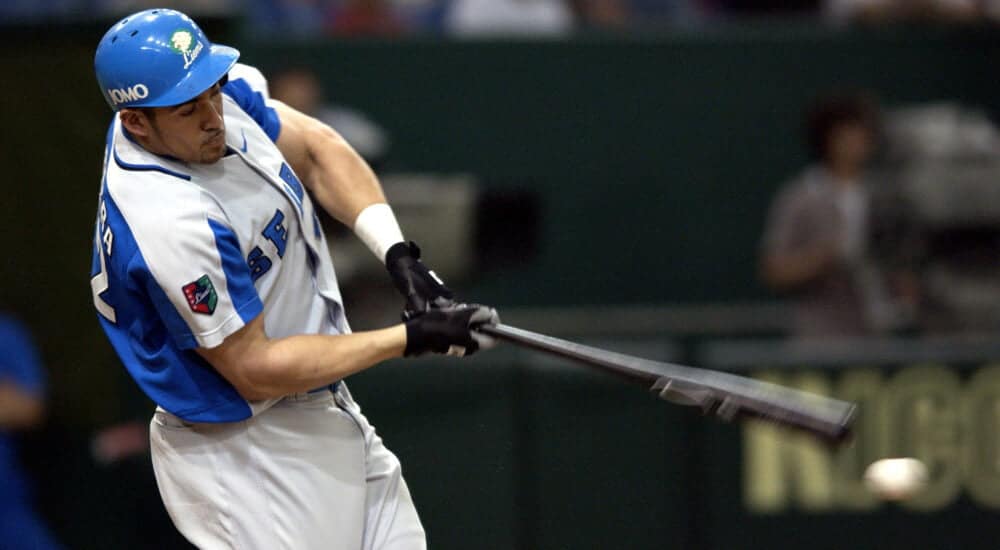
(728, 396)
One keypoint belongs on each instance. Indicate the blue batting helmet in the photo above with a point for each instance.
(158, 58)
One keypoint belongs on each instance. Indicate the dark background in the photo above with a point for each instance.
(653, 159)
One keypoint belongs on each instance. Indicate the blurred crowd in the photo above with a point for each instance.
(555, 17)
(310, 18)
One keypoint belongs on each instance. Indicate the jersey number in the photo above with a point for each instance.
(103, 240)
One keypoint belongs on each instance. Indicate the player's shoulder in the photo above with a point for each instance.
(245, 80)
(247, 88)
(123, 154)
(252, 76)
(148, 189)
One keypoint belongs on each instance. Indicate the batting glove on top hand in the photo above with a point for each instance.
(420, 286)
(450, 331)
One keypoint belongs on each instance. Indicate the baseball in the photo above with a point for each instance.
(895, 478)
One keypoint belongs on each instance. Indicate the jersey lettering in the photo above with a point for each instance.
(276, 232)
(99, 281)
(258, 263)
(108, 239)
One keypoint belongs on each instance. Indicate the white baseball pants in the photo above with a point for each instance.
(307, 474)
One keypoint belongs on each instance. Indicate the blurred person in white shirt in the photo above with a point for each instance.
(815, 247)
(509, 17)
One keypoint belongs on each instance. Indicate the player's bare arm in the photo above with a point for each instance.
(339, 179)
(263, 368)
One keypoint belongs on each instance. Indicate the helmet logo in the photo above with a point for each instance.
(183, 42)
(127, 95)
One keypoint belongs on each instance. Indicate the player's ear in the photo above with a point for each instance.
(136, 122)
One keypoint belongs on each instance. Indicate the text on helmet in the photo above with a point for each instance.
(128, 95)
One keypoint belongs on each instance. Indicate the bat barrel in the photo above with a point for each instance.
(727, 395)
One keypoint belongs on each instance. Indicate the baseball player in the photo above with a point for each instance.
(212, 280)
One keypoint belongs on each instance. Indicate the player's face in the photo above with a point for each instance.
(192, 132)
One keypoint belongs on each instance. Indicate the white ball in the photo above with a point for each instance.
(895, 478)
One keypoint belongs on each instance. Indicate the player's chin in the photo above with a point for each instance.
(213, 153)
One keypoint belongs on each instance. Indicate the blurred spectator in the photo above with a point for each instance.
(672, 11)
(364, 18)
(16, 11)
(763, 7)
(22, 387)
(421, 15)
(639, 14)
(604, 13)
(885, 11)
(469, 18)
(300, 88)
(816, 240)
(120, 8)
(290, 18)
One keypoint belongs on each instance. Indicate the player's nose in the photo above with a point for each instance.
(211, 116)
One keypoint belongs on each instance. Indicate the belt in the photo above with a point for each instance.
(331, 387)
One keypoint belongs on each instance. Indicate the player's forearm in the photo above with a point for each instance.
(262, 368)
(300, 363)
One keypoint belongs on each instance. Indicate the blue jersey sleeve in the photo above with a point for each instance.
(254, 104)
(19, 361)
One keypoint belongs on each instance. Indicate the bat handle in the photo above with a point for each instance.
(497, 330)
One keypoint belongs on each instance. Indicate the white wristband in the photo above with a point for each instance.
(377, 227)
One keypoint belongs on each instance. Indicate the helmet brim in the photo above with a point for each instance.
(208, 70)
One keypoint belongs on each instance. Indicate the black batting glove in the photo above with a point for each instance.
(420, 286)
(450, 331)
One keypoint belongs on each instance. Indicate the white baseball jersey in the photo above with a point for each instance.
(187, 254)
